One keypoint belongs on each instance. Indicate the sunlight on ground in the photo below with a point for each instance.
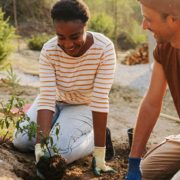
(25, 64)
(24, 59)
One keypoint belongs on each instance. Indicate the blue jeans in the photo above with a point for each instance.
(76, 138)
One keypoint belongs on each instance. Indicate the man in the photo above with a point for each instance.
(162, 18)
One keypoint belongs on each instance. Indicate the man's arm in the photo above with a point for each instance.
(149, 111)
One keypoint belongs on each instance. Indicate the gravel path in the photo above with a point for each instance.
(136, 76)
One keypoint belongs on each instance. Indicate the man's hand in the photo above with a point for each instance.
(38, 152)
(134, 172)
(98, 162)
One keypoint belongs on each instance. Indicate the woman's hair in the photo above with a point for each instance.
(68, 10)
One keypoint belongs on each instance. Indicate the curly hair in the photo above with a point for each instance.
(68, 10)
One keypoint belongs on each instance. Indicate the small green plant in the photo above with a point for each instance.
(47, 142)
(11, 115)
(11, 79)
(30, 128)
(49, 166)
(37, 41)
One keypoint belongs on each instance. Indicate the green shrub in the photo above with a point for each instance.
(130, 39)
(33, 11)
(137, 34)
(7, 33)
(11, 79)
(125, 42)
(37, 41)
(102, 23)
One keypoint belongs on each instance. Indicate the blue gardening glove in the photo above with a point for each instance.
(98, 162)
(134, 172)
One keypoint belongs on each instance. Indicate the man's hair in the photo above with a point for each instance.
(68, 10)
(164, 7)
(164, 16)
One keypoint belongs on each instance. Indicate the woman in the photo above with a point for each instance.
(76, 74)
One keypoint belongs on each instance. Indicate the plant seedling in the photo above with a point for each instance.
(10, 119)
(51, 165)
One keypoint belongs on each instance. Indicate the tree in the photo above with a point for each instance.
(33, 14)
(7, 33)
(103, 23)
(126, 16)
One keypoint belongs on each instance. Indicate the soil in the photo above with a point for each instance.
(17, 165)
(52, 167)
(124, 103)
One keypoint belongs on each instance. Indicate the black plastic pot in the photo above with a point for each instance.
(130, 136)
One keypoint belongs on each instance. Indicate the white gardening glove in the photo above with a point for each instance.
(38, 152)
(98, 163)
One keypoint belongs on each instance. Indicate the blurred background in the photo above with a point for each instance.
(118, 19)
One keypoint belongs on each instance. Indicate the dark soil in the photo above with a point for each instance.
(52, 167)
(25, 168)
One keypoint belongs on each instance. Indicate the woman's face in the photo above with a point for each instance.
(71, 36)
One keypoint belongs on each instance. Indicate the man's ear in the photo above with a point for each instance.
(171, 20)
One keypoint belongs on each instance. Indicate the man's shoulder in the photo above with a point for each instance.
(164, 52)
(164, 47)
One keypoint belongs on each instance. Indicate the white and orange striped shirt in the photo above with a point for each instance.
(77, 80)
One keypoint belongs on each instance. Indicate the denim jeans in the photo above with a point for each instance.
(75, 139)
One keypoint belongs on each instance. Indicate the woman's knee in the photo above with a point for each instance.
(22, 142)
(79, 149)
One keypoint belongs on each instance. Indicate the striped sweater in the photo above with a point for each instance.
(77, 80)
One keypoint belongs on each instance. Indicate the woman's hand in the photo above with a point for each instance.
(98, 162)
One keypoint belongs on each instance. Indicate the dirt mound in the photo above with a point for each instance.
(15, 165)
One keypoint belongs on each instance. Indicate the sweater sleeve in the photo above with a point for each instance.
(103, 80)
(47, 97)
